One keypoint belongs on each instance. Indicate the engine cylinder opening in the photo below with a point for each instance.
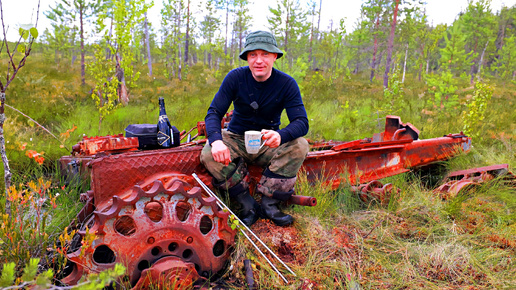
(187, 254)
(155, 251)
(125, 226)
(172, 247)
(206, 225)
(154, 210)
(183, 209)
(219, 248)
(104, 255)
(143, 265)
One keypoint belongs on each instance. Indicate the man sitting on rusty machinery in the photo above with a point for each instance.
(259, 94)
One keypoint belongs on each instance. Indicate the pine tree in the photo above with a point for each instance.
(288, 23)
(209, 26)
(73, 11)
(505, 64)
(479, 27)
(240, 25)
(454, 56)
(172, 13)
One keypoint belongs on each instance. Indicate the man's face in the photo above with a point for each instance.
(261, 62)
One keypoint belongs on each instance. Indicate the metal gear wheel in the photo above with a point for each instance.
(161, 233)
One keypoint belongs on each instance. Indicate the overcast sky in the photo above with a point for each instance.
(19, 12)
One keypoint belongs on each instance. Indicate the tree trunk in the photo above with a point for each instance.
(83, 71)
(56, 57)
(482, 58)
(5, 161)
(375, 48)
(240, 38)
(286, 31)
(180, 67)
(187, 35)
(123, 95)
(389, 47)
(178, 37)
(357, 67)
(319, 20)
(404, 65)
(420, 71)
(311, 38)
(226, 36)
(472, 71)
(149, 59)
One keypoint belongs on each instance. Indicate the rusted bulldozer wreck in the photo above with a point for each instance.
(145, 211)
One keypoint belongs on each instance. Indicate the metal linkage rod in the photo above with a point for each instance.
(210, 192)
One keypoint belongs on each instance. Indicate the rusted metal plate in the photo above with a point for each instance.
(362, 165)
(107, 144)
(463, 180)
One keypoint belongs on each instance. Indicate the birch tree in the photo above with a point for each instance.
(16, 59)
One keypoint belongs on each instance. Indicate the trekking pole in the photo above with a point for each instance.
(222, 205)
(208, 190)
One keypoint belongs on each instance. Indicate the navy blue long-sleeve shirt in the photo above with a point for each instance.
(257, 105)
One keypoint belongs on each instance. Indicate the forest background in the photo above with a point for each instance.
(441, 78)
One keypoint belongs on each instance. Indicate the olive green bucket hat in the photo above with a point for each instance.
(260, 40)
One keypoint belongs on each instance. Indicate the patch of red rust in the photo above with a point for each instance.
(284, 241)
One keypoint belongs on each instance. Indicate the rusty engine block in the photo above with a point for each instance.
(145, 212)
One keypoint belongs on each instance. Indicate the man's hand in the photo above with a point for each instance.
(220, 152)
(273, 138)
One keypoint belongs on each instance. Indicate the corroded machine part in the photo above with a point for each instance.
(374, 190)
(156, 231)
(463, 180)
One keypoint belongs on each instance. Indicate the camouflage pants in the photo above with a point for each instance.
(284, 160)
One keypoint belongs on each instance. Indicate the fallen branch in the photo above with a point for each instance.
(41, 126)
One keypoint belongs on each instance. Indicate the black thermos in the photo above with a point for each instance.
(164, 128)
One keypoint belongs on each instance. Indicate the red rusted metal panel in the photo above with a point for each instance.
(107, 144)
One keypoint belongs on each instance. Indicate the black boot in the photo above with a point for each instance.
(238, 190)
(271, 211)
(250, 209)
(275, 189)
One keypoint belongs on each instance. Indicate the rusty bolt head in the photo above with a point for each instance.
(150, 240)
(189, 240)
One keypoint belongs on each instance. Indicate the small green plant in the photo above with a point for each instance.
(24, 232)
(30, 276)
(393, 95)
(476, 108)
(444, 87)
(105, 92)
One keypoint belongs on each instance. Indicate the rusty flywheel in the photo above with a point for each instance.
(168, 234)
